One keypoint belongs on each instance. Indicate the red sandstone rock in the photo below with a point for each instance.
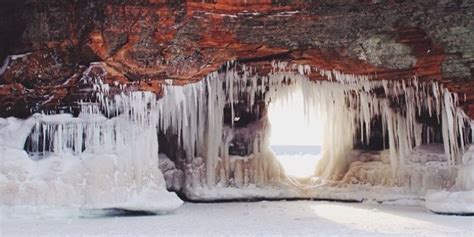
(143, 43)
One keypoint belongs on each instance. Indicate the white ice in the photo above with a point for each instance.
(120, 155)
(90, 161)
(460, 198)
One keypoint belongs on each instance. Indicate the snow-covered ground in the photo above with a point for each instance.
(282, 218)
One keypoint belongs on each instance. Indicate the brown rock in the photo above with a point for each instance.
(141, 43)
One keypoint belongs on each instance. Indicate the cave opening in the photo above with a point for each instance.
(295, 135)
(366, 132)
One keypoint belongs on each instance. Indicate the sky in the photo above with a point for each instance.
(289, 126)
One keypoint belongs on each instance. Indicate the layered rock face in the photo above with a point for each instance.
(144, 44)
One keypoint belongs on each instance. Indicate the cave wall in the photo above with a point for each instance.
(145, 44)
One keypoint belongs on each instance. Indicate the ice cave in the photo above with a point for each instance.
(166, 109)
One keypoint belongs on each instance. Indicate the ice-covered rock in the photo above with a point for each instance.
(447, 202)
(174, 177)
(460, 198)
(86, 162)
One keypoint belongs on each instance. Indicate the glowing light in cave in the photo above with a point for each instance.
(295, 138)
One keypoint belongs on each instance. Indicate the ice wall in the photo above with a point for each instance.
(459, 199)
(353, 103)
(115, 160)
(195, 114)
(345, 104)
(88, 161)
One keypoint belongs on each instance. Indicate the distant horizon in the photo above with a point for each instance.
(296, 149)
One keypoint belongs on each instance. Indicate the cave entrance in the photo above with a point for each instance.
(296, 134)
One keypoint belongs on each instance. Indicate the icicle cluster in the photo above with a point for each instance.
(91, 132)
(353, 103)
(90, 161)
(195, 114)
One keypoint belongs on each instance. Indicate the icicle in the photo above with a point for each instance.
(195, 114)
(472, 131)
(4, 65)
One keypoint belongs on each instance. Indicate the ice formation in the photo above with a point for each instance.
(195, 113)
(357, 101)
(460, 198)
(195, 116)
(344, 107)
(88, 161)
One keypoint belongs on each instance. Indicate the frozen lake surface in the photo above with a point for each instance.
(283, 218)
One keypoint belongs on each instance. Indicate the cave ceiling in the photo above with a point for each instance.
(144, 44)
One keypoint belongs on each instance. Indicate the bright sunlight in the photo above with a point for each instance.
(295, 139)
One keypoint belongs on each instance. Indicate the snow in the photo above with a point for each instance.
(465, 178)
(18, 56)
(450, 202)
(290, 218)
(460, 198)
(13, 131)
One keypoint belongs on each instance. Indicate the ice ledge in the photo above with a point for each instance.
(151, 199)
(454, 203)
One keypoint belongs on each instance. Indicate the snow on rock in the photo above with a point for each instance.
(372, 172)
(416, 177)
